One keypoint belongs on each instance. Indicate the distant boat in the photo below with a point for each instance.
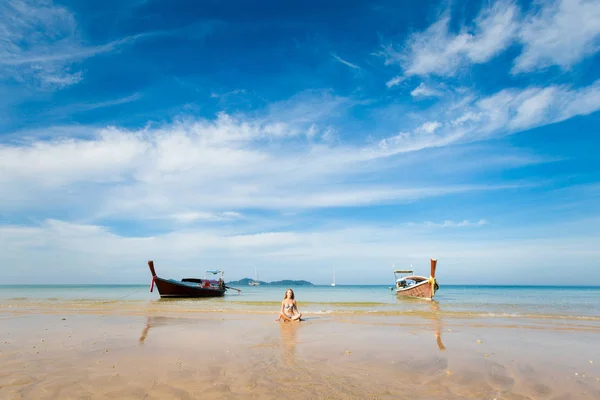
(254, 282)
(189, 287)
(333, 284)
(415, 285)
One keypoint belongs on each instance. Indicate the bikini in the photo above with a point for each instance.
(286, 307)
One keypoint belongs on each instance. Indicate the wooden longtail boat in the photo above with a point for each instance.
(189, 287)
(415, 285)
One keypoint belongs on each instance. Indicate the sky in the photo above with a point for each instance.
(298, 138)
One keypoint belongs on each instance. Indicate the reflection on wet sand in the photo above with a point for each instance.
(289, 340)
(437, 324)
(152, 322)
(433, 312)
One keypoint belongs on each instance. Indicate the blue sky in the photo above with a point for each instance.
(298, 138)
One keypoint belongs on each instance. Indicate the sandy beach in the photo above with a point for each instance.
(117, 352)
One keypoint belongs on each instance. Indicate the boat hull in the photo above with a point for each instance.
(424, 290)
(175, 289)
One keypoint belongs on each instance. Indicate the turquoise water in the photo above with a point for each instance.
(503, 301)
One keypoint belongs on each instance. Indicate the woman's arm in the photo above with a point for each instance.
(280, 312)
(297, 314)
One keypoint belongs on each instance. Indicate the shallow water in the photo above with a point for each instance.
(558, 303)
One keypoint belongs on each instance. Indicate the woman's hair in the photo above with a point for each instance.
(285, 295)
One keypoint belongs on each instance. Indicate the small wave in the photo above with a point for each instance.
(374, 309)
(322, 312)
(313, 303)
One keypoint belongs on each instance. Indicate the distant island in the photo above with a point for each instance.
(286, 282)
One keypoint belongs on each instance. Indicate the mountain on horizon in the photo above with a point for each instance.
(285, 282)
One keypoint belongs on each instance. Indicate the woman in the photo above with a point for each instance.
(289, 309)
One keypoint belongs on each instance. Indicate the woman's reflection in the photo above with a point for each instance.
(288, 342)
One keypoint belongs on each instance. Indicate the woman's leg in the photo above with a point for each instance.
(296, 317)
(284, 317)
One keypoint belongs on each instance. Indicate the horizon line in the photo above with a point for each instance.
(324, 285)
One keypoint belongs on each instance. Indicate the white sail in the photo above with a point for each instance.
(254, 282)
(333, 284)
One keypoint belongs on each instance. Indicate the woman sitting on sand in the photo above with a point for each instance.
(289, 309)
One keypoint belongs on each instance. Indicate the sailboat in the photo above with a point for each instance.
(254, 282)
(333, 284)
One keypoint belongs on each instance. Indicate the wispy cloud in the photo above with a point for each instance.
(440, 52)
(108, 255)
(59, 80)
(505, 112)
(349, 64)
(562, 33)
(32, 31)
(425, 91)
(268, 161)
(82, 107)
(553, 32)
(268, 182)
(450, 224)
(193, 216)
(215, 166)
(395, 81)
(41, 42)
(72, 54)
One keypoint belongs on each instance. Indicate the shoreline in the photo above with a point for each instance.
(412, 309)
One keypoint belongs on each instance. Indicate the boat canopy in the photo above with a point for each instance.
(403, 271)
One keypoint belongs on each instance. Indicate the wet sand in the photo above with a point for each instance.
(46, 354)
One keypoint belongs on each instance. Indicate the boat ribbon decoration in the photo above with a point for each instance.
(152, 285)
(431, 281)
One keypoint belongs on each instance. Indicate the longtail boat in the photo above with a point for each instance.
(189, 287)
(415, 285)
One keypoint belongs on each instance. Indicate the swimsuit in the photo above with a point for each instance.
(286, 307)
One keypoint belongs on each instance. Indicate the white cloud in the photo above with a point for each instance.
(214, 179)
(203, 173)
(553, 32)
(60, 80)
(347, 63)
(192, 216)
(505, 112)
(450, 224)
(516, 110)
(202, 166)
(425, 91)
(562, 33)
(35, 28)
(395, 81)
(429, 127)
(91, 253)
(439, 51)
(264, 162)
(41, 42)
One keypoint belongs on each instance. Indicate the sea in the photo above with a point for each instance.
(539, 302)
